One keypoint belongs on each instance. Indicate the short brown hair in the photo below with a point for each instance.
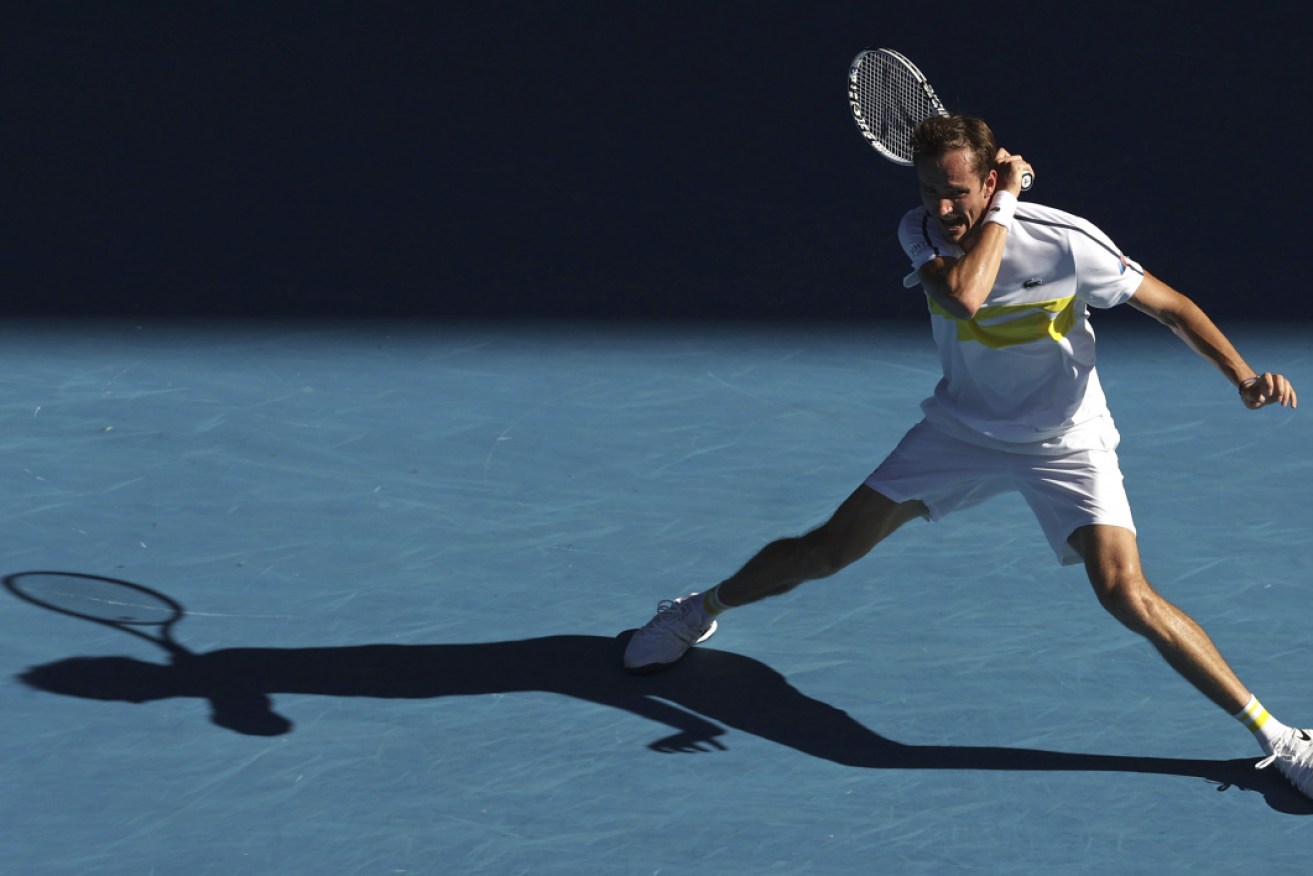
(938, 135)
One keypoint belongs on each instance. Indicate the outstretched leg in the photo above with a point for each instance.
(864, 520)
(860, 523)
(1112, 561)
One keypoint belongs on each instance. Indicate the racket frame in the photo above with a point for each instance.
(13, 583)
(855, 99)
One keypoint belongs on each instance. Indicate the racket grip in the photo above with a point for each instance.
(1027, 180)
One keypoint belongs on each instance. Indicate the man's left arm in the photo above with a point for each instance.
(1188, 322)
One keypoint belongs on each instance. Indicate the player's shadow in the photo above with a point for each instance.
(696, 699)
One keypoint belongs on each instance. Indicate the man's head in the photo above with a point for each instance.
(954, 158)
(939, 135)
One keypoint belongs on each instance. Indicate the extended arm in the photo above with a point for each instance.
(1188, 322)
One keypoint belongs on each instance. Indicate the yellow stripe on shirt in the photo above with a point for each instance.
(1005, 325)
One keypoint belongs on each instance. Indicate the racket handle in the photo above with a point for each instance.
(1027, 180)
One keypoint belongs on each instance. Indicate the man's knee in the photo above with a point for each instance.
(822, 552)
(1112, 561)
(860, 523)
(1127, 595)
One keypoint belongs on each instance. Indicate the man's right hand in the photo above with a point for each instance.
(1011, 168)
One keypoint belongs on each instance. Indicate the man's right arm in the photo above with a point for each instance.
(961, 285)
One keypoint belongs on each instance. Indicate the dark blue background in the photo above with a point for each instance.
(683, 160)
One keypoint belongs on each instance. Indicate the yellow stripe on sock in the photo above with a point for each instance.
(1255, 716)
(711, 603)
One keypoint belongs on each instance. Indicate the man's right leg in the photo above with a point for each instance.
(864, 520)
(861, 522)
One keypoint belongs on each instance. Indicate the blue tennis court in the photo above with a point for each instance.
(409, 555)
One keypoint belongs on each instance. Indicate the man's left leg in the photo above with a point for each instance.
(1112, 561)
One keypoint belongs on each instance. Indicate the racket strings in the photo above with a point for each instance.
(892, 101)
(100, 600)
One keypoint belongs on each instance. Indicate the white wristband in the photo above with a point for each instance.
(1002, 209)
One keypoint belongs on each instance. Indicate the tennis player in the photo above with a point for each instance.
(1020, 407)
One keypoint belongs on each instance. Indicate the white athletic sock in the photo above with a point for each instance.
(1265, 728)
(711, 603)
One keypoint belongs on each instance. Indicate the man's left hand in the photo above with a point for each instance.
(1268, 389)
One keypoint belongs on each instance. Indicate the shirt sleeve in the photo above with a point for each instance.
(922, 242)
(1105, 276)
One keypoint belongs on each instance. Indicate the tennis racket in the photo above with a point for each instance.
(121, 605)
(889, 97)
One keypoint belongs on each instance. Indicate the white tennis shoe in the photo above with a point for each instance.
(1292, 753)
(679, 624)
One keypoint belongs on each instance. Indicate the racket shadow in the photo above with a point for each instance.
(696, 700)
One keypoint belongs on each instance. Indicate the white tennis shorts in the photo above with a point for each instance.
(1065, 492)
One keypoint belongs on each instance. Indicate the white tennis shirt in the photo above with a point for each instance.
(1020, 375)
